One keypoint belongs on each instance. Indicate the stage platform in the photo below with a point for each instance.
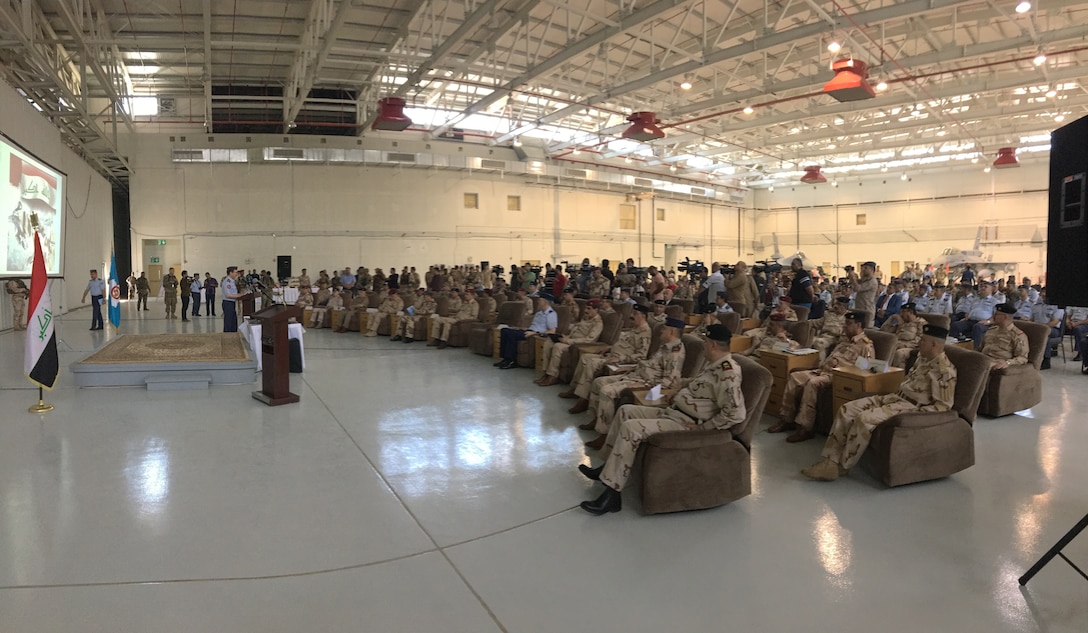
(168, 362)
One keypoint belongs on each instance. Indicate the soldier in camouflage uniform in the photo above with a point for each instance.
(784, 308)
(1005, 343)
(828, 328)
(599, 286)
(143, 288)
(776, 335)
(585, 331)
(467, 310)
(930, 385)
(334, 302)
(663, 368)
(391, 305)
(630, 348)
(658, 316)
(710, 317)
(806, 385)
(907, 328)
(170, 294)
(423, 308)
(712, 400)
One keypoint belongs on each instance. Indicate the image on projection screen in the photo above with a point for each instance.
(29, 189)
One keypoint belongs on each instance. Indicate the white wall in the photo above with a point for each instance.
(88, 218)
(331, 216)
(913, 220)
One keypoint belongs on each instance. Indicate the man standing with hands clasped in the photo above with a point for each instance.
(97, 289)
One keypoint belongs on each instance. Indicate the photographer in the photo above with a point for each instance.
(864, 288)
(742, 290)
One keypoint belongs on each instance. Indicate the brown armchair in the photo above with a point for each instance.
(1021, 386)
(693, 470)
(610, 333)
(883, 343)
(688, 305)
(730, 320)
(801, 332)
(802, 313)
(527, 348)
(459, 331)
(480, 337)
(941, 320)
(919, 446)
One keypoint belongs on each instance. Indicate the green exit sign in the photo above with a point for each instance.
(154, 260)
(162, 242)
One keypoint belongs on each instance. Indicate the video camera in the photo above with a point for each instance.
(692, 268)
(767, 266)
(498, 269)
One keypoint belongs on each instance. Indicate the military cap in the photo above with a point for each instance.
(659, 302)
(845, 300)
(909, 306)
(870, 264)
(710, 307)
(641, 308)
(231, 269)
(569, 290)
(778, 316)
(1006, 308)
(718, 332)
(785, 300)
(723, 294)
(855, 315)
(936, 331)
(594, 303)
(677, 323)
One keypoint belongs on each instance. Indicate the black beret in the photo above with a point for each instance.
(677, 323)
(845, 300)
(718, 332)
(641, 308)
(659, 302)
(1006, 308)
(935, 330)
(909, 306)
(855, 315)
(710, 308)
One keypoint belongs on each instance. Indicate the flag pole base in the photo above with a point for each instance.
(41, 407)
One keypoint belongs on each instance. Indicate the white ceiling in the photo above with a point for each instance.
(962, 80)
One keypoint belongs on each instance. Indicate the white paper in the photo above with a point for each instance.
(372, 310)
(801, 351)
(862, 363)
(654, 393)
(400, 313)
(878, 365)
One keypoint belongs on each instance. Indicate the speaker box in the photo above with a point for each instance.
(1067, 231)
(283, 267)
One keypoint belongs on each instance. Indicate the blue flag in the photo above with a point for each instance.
(115, 295)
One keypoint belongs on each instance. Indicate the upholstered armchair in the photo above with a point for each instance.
(802, 313)
(942, 320)
(883, 343)
(459, 331)
(693, 470)
(919, 446)
(479, 335)
(730, 320)
(610, 333)
(1021, 386)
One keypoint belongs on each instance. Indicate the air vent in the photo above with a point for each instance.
(487, 163)
(168, 105)
(575, 173)
(698, 191)
(400, 157)
(644, 182)
(187, 154)
(287, 153)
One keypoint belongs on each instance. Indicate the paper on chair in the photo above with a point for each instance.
(654, 393)
(862, 363)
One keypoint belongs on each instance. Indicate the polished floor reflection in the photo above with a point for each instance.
(418, 490)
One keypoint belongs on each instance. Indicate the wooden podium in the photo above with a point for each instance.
(276, 354)
(247, 303)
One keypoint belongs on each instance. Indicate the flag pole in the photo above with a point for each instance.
(42, 406)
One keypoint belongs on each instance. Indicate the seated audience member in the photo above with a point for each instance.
(930, 385)
(1051, 316)
(305, 297)
(709, 317)
(712, 400)
(1077, 323)
(907, 328)
(784, 308)
(1005, 343)
(804, 386)
(663, 368)
(422, 309)
(467, 310)
(389, 306)
(585, 331)
(657, 315)
(1023, 303)
(599, 286)
(567, 299)
(889, 303)
(775, 336)
(941, 300)
(334, 302)
(721, 304)
(631, 347)
(545, 320)
(979, 315)
(828, 329)
(606, 307)
(356, 310)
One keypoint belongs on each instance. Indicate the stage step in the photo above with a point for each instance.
(177, 381)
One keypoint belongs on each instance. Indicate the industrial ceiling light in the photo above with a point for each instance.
(748, 109)
(1006, 158)
(1059, 118)
(1052, 93)
(903, 177)
(882, 86)
(643, 127)
(771, 188)
(1039, 60)
(884, 168)
(986, 169)
(850, 82)
(812, 175)
(833, 46)
(686, 84)
(1023, 7)
(834, 183)
(391, 115)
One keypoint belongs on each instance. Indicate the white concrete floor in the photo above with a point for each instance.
(418, 490)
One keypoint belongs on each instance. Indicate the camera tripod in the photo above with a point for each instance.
(1057, 551)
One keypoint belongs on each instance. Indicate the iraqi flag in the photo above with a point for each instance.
(115, 295)
(40, 360)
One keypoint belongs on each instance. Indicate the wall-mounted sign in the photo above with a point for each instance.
(154, 260)
(162, 242)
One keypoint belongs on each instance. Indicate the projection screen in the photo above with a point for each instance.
(30, 190)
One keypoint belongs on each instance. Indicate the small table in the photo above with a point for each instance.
(496, 334)
(750, 323)
(781, 364)
(848, 383)
(965, 344)
(538, 355)
(639, 397)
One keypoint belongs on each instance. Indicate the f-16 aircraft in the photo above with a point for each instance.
(955, 260)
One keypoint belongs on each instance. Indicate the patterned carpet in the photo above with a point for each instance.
(172, 348)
